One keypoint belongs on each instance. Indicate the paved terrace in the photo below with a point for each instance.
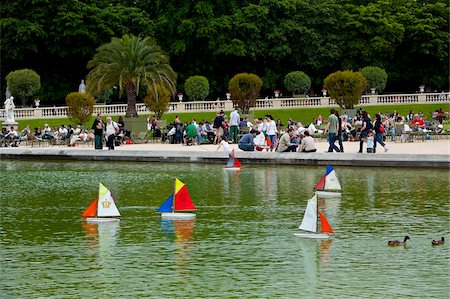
(417, 154)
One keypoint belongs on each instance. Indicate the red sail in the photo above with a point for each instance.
(326, 227)
(183, 201)
(321, 184)
(91, 211)
(237, 163)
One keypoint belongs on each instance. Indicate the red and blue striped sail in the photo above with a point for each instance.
(166, 207)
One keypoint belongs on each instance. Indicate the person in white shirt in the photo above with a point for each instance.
(234, 125)
(111, 130)
(260, 125)
(271, 131)
(11, 136)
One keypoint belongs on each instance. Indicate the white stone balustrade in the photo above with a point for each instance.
(261, 104)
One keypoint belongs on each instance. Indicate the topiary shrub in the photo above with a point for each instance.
(157, 100)
(244, 89)
(80, 106)
(376, 78)
(297, 82)
(345, 87)
(196, 88)
(23, 84)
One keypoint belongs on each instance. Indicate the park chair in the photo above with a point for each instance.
(141, 138)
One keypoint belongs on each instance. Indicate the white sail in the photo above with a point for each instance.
(309, 222)
(332, 182)
(106, 206)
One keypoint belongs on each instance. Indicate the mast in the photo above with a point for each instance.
(174, 192)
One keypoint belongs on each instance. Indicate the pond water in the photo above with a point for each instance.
(241, 245)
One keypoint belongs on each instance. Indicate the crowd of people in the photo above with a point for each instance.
(69, 135)
(261, 134)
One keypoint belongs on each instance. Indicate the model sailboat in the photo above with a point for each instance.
(102, 209)
(310, 223)
(178, 203)
(233, 163)
(328, 184)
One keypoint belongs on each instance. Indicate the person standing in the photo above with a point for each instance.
(339, 132)
(111, 130)
(270, 127)
(98, 126)
(379, 131)
(332, 129)
(218, 127)
(366, 126)
(234, 125)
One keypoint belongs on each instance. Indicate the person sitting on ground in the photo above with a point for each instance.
(307, 145)
(285, 144)
(246, 143)
(319, 120)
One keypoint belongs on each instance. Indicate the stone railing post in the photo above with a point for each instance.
(422, 98)
(37, 113)
(372, 99)
(276, 103)
(228, 105)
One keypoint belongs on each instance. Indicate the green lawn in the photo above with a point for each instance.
(304, 115)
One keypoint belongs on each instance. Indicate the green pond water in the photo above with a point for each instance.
(241, 245)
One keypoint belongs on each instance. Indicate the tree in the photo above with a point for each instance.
(345, 87)
(130, 62)
(244, 89)
(297, 82)
(376, 78)
(80, 106)
(23, 84)
(158, 99)
(196, 88)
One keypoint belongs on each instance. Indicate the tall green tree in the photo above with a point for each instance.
(158, 100)
(130, 62)
(196, 88)
(245, 90)
(80, 106)
(23, 84)
(345, 87)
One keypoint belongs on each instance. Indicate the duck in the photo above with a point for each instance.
(438, 242)
(397, 242)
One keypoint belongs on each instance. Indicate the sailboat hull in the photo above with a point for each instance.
(100, 220)
(326, 194)
(232, 168)
(177, 215)
(313, 236)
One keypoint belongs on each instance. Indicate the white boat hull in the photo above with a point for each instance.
(100, 220)
(327, 194)
(177, 215)
(313, 236)
(232, 168)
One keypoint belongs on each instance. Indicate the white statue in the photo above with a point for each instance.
(9, 110)
(82, 87)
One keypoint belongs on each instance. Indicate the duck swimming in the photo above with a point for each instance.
(438, 242)
(397, 242)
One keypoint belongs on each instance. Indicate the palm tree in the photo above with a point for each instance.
(130, 62)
